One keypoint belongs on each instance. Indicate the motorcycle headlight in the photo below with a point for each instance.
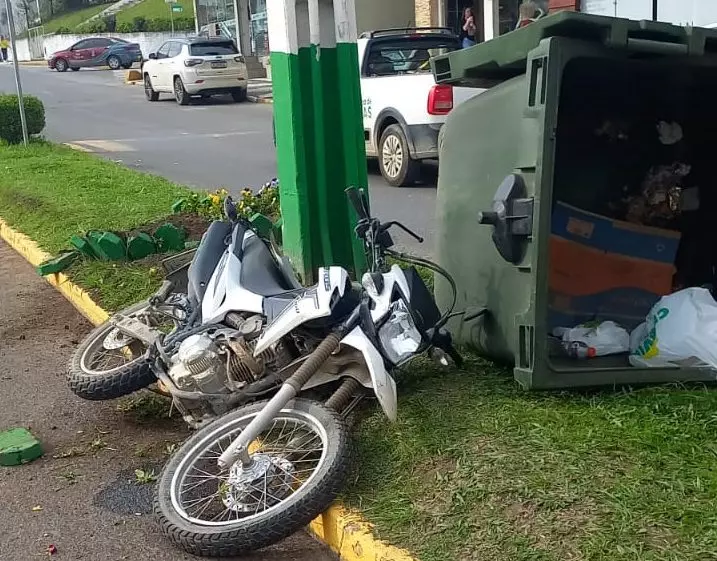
(399, 336)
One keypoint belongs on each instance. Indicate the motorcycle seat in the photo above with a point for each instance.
(260, 273)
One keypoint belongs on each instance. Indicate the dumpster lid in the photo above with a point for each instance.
(505, 57)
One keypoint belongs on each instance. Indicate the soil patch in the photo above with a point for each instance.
(193, 224)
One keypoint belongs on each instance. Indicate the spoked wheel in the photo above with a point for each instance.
(109, 364)
(299, 465)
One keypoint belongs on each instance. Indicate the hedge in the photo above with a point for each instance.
(10, 124)
(138, 25)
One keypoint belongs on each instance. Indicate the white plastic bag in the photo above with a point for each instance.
(681, 330)
(608, 338)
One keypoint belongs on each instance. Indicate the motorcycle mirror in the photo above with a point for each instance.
(230, 209)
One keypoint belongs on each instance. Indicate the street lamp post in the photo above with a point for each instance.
(16, 64)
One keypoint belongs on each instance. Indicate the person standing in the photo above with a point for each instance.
(469, 28)
(4, 46)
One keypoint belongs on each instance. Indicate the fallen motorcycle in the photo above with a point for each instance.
(196, 338)
(265, 470)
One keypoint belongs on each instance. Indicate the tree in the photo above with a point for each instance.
(48, 8)
(28, 10)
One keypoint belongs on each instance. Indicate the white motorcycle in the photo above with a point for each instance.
(195, 339)
(265, 470)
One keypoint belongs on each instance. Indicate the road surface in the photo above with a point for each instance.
(81, 496)
(213, 143)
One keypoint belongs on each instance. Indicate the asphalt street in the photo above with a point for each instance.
(82, 496)
(210, 144)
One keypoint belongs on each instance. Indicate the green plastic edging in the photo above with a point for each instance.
(18, 446)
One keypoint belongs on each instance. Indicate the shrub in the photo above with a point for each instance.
(265, 201)
(63, 31)
(183, 24)
(10, 124)
(125, 27)
(165, 24)
(94, 26)
(140, 24)
(158, 24)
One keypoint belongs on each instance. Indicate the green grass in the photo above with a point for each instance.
(50, 192)
(73, 19)
(116, 286)
(153, 9)
(146, 407)
(477, 469)
(149, 9)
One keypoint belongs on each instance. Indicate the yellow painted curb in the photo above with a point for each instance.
(132, 76)
(350, 536)
(345, 532)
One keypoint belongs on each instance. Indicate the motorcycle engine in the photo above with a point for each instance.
(199, 366)
(224, 361)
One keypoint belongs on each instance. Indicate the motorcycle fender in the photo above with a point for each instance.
(314, 303)
(383, 383)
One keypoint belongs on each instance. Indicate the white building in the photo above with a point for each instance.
(494, 17)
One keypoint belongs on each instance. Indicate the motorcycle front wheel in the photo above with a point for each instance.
(108, 364)
(300, 463)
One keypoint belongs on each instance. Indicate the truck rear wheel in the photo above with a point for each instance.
(394, 158)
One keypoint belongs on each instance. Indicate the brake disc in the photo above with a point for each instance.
(266, 482)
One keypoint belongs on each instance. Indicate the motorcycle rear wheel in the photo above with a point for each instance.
(234, 516)
(98, 373)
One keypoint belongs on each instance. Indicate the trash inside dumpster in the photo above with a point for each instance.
(579, 191)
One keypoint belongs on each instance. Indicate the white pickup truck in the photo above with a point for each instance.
(403, 107)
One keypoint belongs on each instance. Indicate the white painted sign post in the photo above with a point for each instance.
(319, 129)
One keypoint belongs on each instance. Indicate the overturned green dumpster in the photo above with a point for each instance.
(577, 196)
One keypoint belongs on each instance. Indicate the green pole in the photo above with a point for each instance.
(319, 131)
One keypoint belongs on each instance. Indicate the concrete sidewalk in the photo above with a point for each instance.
(81, 496)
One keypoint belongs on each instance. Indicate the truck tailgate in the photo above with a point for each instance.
(464, 94)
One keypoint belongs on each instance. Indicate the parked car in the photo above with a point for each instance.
(96, 51)
(403, 107)
(196, 66)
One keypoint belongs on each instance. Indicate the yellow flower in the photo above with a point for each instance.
(214, 199)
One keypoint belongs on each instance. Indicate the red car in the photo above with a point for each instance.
(96, 51)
